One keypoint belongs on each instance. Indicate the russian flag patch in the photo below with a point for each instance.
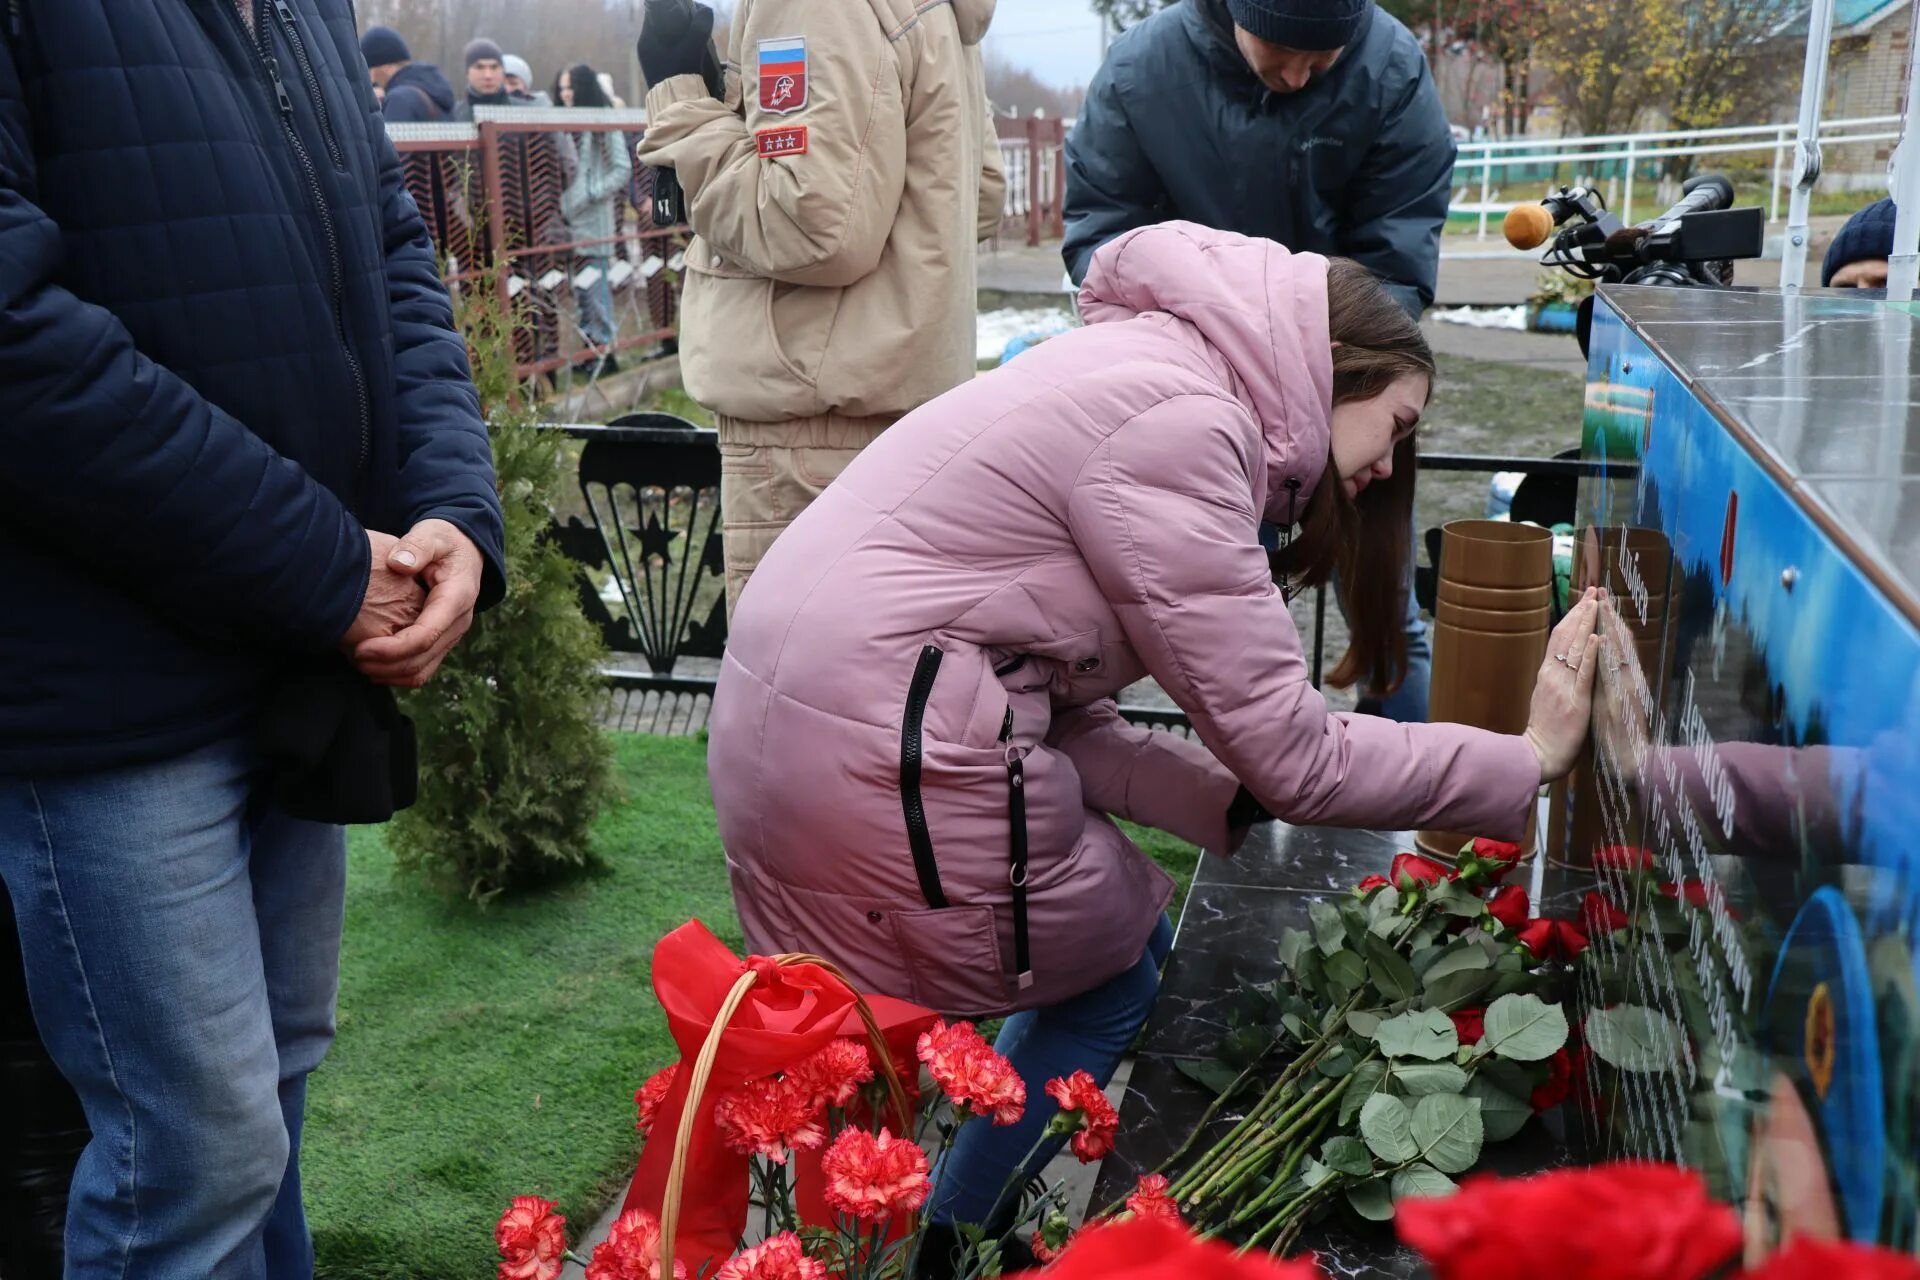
(783, 74)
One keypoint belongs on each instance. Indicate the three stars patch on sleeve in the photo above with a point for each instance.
(790, 141)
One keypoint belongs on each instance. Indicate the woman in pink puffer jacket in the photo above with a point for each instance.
(915, 751)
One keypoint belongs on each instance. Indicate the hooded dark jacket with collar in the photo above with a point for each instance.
(1359, 163)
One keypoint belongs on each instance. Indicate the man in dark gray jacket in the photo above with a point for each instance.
(1311, 122)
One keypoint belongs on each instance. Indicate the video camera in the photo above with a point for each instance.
(1693, 244)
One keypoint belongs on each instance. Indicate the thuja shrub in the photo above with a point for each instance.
(514, 766)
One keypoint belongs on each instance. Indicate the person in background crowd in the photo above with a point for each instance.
(836, 202)
(1857, 258)
(1311, 122)
(410, 92)
(591, 206)
(519, 78)
(606, 87)
(486, 80)
(247, 481)
(995, 569)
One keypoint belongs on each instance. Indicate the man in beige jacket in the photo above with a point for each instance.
(837, 193)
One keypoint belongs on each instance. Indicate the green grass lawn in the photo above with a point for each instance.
(484, 1054)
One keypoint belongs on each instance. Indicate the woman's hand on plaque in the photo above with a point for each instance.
(1563, 693)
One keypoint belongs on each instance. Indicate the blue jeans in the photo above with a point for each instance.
(598, 324)
(1088, 1033)
(1408, 703)
(182, 947)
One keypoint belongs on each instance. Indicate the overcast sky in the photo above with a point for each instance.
(1058, 40)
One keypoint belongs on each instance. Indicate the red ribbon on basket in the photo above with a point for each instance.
(791, 1011)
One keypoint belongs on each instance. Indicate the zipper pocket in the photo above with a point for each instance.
(289, 24)
(912, 724)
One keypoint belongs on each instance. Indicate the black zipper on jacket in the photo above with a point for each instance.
(1017, 864)
(919, 839)
(290, 23)
(261, 41)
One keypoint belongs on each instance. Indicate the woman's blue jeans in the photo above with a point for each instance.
(598, 322)
(1090, 1032)
(182, 947)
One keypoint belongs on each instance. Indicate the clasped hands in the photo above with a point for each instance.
(421, 593)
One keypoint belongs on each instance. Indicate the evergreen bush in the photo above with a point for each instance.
(514, 767)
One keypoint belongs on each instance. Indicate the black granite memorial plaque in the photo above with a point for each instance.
(1741, 840)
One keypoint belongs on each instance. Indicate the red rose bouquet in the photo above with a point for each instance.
(1409, 1030)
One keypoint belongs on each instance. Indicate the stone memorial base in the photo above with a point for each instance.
(1228, 934)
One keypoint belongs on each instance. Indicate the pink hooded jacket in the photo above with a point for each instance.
(936, 642)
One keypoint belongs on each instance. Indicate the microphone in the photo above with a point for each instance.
(1527, 226)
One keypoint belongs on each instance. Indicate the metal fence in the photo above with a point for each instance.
(491, 194)
(1033, 152)
(645, 531)
(1632, 166)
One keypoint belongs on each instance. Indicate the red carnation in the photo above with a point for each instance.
(1150, 1200)
(1601, 916)
(1409, 869)
(648, 1097)
(1470, 1024)
(1623, 858)
(1044, 1253)
(1806, 1259)
(1152, 1249)
(1370, 884)
(1558, 1084)
(780, 1257)
(1612, 1222)
(968, 1071)
(532, 1240)
(874, 1177)
(1550, 939)
(1509, 906)
(768, 1117)
(1086, 1114)
(833, 1074)
(631, 1250)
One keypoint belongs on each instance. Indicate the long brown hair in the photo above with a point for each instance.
(1365, 543)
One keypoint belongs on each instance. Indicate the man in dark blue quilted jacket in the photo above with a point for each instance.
(238, 441)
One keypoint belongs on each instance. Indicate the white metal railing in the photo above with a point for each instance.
(1479, 162)
(1631, 150)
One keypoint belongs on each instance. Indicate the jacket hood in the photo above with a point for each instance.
(1260, 307)
(427, 79)
(973, 17)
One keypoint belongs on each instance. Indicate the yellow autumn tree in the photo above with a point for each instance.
(1686, 64)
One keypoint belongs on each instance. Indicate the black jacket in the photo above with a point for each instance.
(225, 350)
(1176, 125)
(418, 94)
